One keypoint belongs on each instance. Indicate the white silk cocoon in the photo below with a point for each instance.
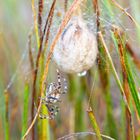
(76, 50)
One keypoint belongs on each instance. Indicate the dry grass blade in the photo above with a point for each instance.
(49, 23)
(119, 35)
(97, 11)
(40, 10)
(61, 28)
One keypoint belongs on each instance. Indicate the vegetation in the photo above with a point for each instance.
(103, 103)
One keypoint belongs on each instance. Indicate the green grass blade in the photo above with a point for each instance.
(7, 136)
(25, 109)
(94, 124)
(132, 86)
(104, 78)
(43, 126)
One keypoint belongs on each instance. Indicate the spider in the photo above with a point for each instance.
(52, 97)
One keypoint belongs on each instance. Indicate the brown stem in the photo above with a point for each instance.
(40, 10)
(50, 17)
(97, 11)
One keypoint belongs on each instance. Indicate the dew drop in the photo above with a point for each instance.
(82, 73)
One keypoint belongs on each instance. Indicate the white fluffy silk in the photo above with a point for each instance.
(76, 50)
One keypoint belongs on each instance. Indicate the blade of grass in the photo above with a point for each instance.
(49, 23)
(40, 10)
(94, 123)
(30, 52)
(35, 23)
(38, 39)
(7, 136)
(108, 9)
(25, 108)
(120, 39)
(43, 126)
(127, 69)
(79, 117)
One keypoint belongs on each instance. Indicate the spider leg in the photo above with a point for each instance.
(53, 99)
(53, 110)
(65, 86)
(59, 83)
(59, 80)
(43, 100)
(36, 109)
(44, 116)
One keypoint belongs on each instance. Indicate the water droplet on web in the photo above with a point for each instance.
(82, 73)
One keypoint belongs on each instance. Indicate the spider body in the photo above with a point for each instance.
(53, 95)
